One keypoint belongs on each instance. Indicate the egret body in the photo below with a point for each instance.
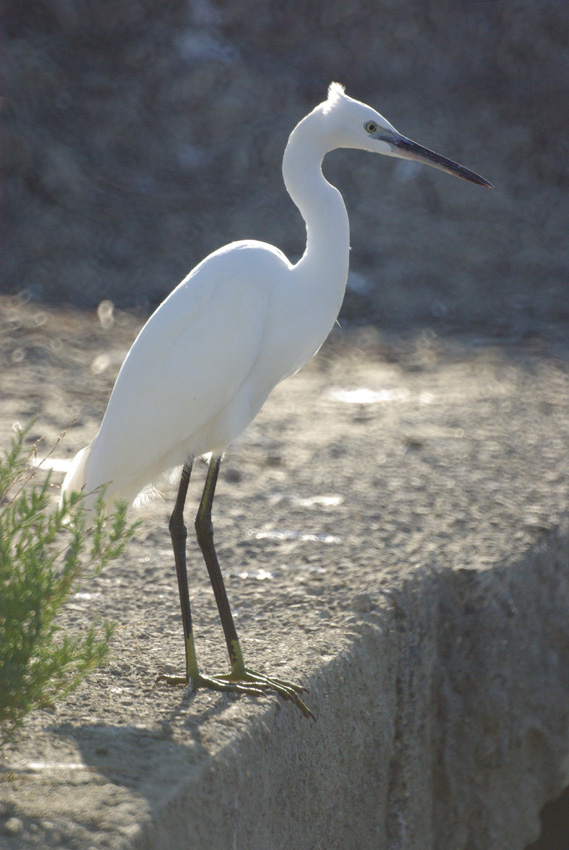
(205, 362)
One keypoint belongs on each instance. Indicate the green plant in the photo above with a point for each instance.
(44, 552)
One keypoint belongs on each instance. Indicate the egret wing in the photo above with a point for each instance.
(187, 365)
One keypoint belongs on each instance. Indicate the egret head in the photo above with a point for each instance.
(347, 123)
(351, 124)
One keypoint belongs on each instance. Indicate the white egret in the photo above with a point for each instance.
(205, 362)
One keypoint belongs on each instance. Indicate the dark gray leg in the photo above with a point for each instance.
(240, 679)
(179, 534)
(204, 534)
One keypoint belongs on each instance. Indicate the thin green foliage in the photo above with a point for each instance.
(44, 552)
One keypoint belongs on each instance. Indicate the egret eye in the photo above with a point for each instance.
(371, 127)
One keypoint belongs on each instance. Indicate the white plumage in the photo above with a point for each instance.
(205, 362)
(244, 319)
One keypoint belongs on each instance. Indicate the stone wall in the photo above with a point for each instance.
(136, 142)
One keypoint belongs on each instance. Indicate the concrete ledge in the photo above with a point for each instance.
(428, 735)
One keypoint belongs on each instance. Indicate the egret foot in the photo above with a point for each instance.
(287, 690)
(243, 681)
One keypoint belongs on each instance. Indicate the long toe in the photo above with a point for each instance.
(283, 683)
(287, 690)
(172, 680)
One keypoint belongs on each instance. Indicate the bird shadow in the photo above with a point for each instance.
(150, 761)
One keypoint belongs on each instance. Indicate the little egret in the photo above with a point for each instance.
(205, 362)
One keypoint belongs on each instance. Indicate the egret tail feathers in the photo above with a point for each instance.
(75, 479)
(54, 463)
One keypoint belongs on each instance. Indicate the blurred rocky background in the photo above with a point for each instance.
(139, 135)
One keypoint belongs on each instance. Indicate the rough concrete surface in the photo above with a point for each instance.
(401, 551)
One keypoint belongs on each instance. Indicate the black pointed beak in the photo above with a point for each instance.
(407, 149)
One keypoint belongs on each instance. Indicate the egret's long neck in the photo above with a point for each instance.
(326, 258)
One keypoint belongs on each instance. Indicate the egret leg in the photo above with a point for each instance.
(179, 534)
(246, 684)
(240, 674)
